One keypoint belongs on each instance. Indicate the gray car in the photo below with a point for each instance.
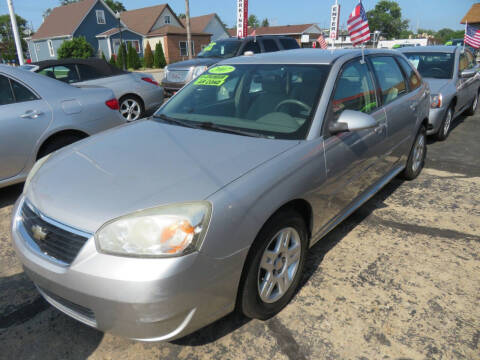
(452, 74)
(235, 177)
(138, 93)
(40, 115)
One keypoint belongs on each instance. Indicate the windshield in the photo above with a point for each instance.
(220, 49)
(433, 65)
(274, 101)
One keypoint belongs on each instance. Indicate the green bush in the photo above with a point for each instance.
(148, 56)
(77, 48)
(159, 57)
(121, 57)
(133, 61)
(112, 60)
(103, 56)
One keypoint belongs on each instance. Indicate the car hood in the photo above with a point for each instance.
(437, 85)
(193, 62)
(139, 166)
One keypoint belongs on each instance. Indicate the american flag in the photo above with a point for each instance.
(472, 36)
(322, 42)
(357, 25)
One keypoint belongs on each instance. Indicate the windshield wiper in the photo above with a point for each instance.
(174, 121)
(215, 127)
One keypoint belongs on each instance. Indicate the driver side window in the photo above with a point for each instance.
(354, 90)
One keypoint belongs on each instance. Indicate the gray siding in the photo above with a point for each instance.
(161, 20)
(126, 36)
(41, 50)
(216, 29)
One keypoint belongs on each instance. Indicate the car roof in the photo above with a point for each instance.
(304, 56)
(430, 49)
(100, 65)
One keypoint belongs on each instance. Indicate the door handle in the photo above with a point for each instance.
(379, 128)
(414, 106)
(32, 114)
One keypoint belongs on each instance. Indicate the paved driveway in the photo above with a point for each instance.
(398, 280)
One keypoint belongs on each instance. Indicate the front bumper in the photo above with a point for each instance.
(171, 87)
(142, 299)
(435, 119)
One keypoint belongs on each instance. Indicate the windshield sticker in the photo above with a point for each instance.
(225, 69)
(211, 80)
(209, 47)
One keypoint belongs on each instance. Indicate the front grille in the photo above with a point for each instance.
(51, 240)
(68, 306)
(177, 76)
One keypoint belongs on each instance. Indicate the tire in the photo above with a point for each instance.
(58, 143)
(416, 158)
(131, 107)
(471, 110)
(284, 265)
(446, 125)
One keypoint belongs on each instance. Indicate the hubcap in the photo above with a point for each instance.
(130, 109)
(279, 265)
(418, 152)
(448, 121)
(475, 103)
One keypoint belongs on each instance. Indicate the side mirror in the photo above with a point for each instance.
(465, 74)
(350, 120)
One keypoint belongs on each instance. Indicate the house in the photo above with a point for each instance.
(305, 34)
(87, 18)
(94, 20)
(472, 16)
(160, 24)
(210, 24)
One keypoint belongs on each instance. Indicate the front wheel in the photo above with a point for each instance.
(274, 266)
(442, 133)
(416, 159)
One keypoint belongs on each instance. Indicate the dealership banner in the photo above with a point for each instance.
(242, 18)
(334, 22)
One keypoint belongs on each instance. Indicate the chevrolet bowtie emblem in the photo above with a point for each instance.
(38, 233)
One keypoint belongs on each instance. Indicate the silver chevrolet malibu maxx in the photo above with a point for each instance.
(158, 228)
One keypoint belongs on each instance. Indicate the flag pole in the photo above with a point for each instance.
(464, 35)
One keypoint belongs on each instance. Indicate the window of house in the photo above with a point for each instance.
(135, 44)
(390, 78)
(6, 95)
(167, 19)
(50, 48)
(183, 48)
(100, 17)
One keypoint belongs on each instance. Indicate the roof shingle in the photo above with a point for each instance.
(276, 30)
(473, 15)
(142, 20)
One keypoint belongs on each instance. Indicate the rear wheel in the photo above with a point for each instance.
(471, 110)
(58, 143)
(442, 133)
(274, 266)
(131, 108)
(416, 159)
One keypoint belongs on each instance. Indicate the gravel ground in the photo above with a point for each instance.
(397, 280)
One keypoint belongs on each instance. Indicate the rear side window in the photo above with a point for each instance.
(289, 44)
(65, 73)
(270, 45)
(412, 77)
(6, 95)
(390, 78)
(88, 72)
(21, 93)
(354, 90)
(252, 46)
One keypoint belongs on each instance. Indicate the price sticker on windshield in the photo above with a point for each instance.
(222, 69)
(209, 46)
(211, 80)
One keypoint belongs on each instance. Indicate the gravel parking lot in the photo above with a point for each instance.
(398, 280)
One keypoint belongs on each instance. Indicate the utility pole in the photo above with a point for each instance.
(189, 34)
(16, 35)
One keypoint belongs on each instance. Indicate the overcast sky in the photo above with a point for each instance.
(430, 14)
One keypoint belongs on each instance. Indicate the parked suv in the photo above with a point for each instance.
(454, 80)
(236, 177)
(178, 74)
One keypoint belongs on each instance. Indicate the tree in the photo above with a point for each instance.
(66, 2)
(386, 17)
(253, 21)
(122, 56)
(46, 13)
(115, 5)
(182, 16)
(77, 48)
(7, 40)
(148, 56)
(113, 60)
(265, 23)
(133, 61)
(159, 57)
(103, 56)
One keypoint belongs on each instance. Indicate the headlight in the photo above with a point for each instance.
(170, 230)
(436, 101)
(198, 71)
(34, 170)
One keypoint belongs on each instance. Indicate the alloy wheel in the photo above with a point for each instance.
(130, 109)
(279, 265)
(418, 152)
(448, 122)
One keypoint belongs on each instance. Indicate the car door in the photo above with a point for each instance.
(399, 104)
(24, 116)
(473, 82)
(463, 84)
(353, 159)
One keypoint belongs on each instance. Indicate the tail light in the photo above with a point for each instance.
(149, 80)
(113, 104)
